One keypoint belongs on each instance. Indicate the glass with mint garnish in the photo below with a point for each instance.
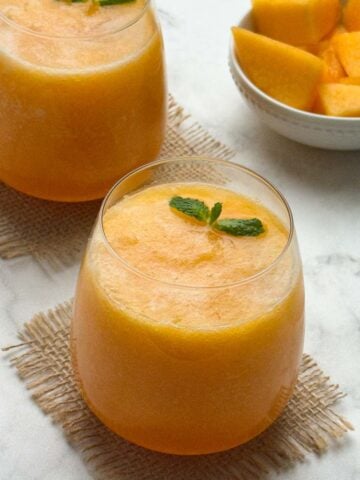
(189, 309)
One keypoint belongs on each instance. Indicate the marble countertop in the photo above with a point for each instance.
(323, 189)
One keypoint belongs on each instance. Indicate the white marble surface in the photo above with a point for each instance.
(323, 189)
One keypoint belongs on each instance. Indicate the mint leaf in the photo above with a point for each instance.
(240, 228)
(105, 3)
(237, 227)
(101, 3)
(191, 207)
(215, 212)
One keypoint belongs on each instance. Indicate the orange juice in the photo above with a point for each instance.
(82, 95)
(186, 340)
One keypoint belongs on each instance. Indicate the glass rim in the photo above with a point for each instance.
(206, 159)
(29, 31)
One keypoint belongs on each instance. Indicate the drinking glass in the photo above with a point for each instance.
(82, 108)
(188, 388)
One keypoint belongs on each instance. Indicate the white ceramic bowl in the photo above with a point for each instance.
(333, 133)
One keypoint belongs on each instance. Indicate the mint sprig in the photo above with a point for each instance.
(101, 3)
(105, 3)
(191, 207)
(251, 227)
(215, 212)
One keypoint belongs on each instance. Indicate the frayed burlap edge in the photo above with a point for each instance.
(42, 359)
(55, 233)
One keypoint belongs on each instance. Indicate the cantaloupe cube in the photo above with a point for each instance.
(350, 80)
(351, 17)
(333, 68)
(310, 48)
(317, 107)
(338, 30)
(328, 41)
(284, 72)
(298, 22)
(340, 100)
(348, 49)
(327, 51)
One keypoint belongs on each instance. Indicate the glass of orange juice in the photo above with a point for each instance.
(82, 94)
(188, 323)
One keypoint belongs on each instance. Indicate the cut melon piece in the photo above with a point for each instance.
(328, 41)
(340, 100)
(348, 49)
(333, 69)
(317, 107)
(327, 51)
(350, 80)
(284, 72)
(298, 22)
(351, 16)
(338, 30)
(310, 48)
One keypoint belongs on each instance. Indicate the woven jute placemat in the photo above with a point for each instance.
(309, 423)
(56, 232)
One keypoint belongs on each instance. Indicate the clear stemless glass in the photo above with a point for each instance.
(188, 367)
(83, 96)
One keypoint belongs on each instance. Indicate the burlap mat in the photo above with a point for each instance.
(56, 232)
(308, 424)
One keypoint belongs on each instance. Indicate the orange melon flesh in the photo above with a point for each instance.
(284, 72)
(326, 50)
(296, 22)
(328, 41)
(350, 80)
(348, 49)
(338, 30)
(340, 100)
(333, 68)
(351, 15)
(313, 48)
(317, 107)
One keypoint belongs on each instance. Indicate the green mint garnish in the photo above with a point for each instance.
(191, 207)
(251, 227)
(101, 3)
(237, 227)
(215, 212)
(105, 3)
